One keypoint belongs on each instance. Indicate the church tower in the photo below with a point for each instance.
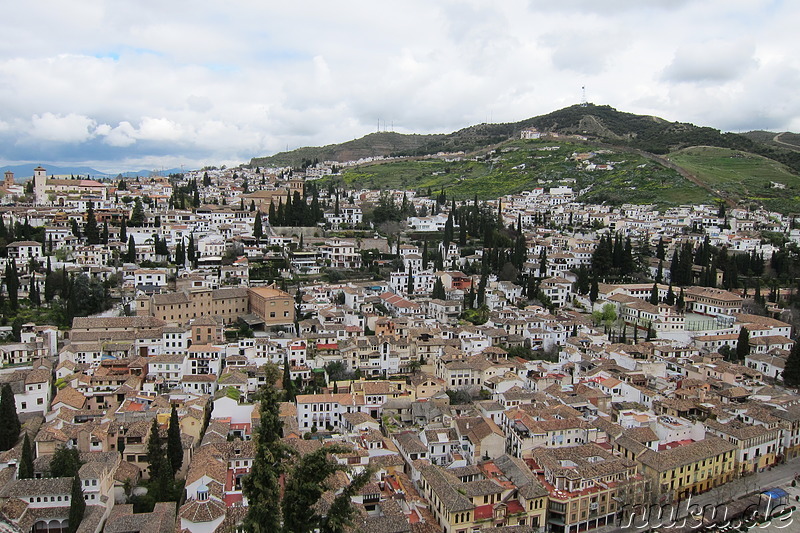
(39, 184)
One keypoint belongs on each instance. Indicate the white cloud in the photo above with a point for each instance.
(206, 83)
(71, 128)
(718, 61)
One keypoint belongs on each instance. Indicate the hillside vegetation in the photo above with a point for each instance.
(742, 176)
(374, 144)
(526, 164)
(772, 157)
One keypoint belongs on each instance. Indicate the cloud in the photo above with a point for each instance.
(716, 61)
(203, 83)
(71, 128)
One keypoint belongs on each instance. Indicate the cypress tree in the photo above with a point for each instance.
(26, 461)
(123, 230)
(286, 382)
(174, 445)
(12, 284)
(438, 290)
(791, 371)
(131, 250)
(77, 505)
(654, 294)
(594, 290)
(154, 450)
(258, 230)
(680, 303)
(9, 420)
(91, 230)
(743, 344)
(33, 293)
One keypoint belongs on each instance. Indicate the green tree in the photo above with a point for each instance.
(438, 290)
(65, 462)
(791, 371)
(261, 486)
(174, 445)
(91, 230)
(339, 518)
(743, 344)
(26, 461)
(154, 450)
(77, 505)
(123, 231)
(286, 382)
(654, 294)
(680, 304)
(12, 284)
(137, 214)
(594, 290)
(258, 230)
(131, 250)
(9, 420)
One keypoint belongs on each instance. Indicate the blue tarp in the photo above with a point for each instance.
(776, 493)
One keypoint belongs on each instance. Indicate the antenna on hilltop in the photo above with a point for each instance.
(584, 103)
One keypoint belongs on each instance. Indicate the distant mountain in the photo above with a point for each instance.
(785, 139)
(25, 171)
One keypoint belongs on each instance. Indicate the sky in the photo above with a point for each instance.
(147, 84)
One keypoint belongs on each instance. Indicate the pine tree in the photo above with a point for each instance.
(9, 420)
(174, 444)
(26, 461)
(261, 486)
(743, 344)
(77, 505)
(791, 371)
(137, 214)
(304, 487)
(66, 462)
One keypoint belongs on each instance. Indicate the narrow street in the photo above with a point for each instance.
(780, 476)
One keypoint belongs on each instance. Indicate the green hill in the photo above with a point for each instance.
(637, 140)
(784, 140)
(374, 144)
(521, 165)
(742, 176)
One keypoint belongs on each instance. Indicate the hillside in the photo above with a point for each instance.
(785, 140)
(632, 137)
(742, 176)
(527, 164)
(374, 144)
